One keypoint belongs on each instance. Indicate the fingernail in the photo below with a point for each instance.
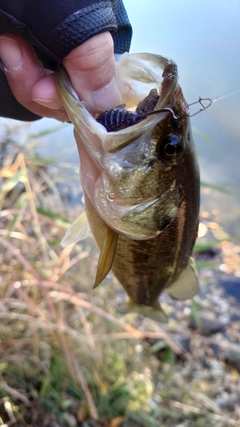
(49, 103)
(10, 54)
(107, 97)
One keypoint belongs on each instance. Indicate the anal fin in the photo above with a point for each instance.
(186, 286)
(106, 256)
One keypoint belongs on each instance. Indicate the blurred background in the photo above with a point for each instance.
(67, 357)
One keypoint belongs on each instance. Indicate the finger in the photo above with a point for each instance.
(91, 68)
(45, 92)
(23, 71)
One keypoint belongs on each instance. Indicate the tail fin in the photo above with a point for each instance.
(155, 313)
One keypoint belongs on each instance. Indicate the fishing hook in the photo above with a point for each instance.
(163, 110)
(200, 101)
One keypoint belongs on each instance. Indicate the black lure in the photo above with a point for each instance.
(118, 118)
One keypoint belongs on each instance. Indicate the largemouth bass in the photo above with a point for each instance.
(141, 184)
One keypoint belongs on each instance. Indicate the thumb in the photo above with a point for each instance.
(91, 68)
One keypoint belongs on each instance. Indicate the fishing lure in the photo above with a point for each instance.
(119, 118)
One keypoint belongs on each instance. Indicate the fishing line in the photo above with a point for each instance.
(225, 96)
(205, 103)
(209, 101)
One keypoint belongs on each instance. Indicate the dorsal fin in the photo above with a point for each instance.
(106, 256)
(186, 286)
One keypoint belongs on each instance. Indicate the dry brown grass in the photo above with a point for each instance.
(66, 356)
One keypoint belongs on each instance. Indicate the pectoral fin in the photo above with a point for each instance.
(106, 256)
(79, 230)
(186, 286)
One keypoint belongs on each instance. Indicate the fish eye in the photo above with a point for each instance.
(169, 147)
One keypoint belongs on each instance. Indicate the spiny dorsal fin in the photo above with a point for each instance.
(186, 286)
(77, 231)
(106, 256)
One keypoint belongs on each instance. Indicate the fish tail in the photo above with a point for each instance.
(152, 312)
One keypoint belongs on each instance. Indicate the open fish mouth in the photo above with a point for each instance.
(137, 75)
(144, 72)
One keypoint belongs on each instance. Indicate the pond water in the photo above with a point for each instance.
(203, 38)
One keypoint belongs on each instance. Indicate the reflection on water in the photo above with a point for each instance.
(203, 38)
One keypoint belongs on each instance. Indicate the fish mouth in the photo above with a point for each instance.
(144, 72)
(137, 74)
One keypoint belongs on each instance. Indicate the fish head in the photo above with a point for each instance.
(133, 176)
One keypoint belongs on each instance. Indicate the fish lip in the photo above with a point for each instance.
(67, 84)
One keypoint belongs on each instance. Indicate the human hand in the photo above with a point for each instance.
(90, 66)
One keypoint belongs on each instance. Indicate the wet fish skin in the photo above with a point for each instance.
(158, 195)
